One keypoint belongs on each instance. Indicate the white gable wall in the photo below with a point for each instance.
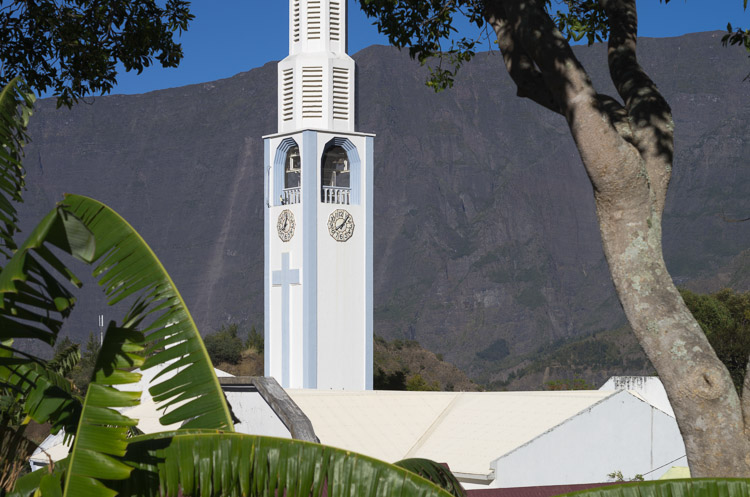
(648, 387)
(620, 433)
(257, 417)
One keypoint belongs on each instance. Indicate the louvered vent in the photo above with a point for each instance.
(296, 20)
(340, 93)
(288, 95)
(313, 20)
(335, 20)
(312, 92)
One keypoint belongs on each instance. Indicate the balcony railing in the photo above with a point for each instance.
(291, 196)
(336, 195)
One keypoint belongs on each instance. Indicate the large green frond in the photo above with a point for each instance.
(16, 103)
(102, 434)
(234, 464)
(33, 303)
(34, 299)
(187, 389)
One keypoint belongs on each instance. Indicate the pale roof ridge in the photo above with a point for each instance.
(438, 420)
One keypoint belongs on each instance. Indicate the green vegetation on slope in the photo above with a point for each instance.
(405, 365)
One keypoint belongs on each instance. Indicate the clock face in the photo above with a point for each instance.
(340, 225)
(285, 225)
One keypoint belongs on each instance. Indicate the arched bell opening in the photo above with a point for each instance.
(287, 173)
(339, 173)
(292, 169)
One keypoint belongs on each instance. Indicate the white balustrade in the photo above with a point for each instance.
(336, 195)
(291, 196)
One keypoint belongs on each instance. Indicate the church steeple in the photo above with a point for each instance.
(316, 80)
(318, 213)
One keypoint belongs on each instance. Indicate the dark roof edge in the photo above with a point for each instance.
(286, 409)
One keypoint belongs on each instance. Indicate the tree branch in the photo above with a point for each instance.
(650, 114)
(521, 68)
(594, 126)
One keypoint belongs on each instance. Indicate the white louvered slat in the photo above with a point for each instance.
(288, 95)
(334, 20)
(340, 93)
(295, 23)
(313, 19)
(312, 92)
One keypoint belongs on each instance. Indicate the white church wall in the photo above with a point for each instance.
(260, 418)
(621, 433)
(648, 387)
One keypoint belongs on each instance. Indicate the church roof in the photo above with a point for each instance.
(468, 430)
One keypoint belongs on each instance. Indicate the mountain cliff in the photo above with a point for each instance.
(486, 240)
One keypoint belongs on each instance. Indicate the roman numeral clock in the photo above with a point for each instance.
(318, 213)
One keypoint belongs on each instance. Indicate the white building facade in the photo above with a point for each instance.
(318, 213)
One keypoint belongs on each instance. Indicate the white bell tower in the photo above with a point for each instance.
(318, 212)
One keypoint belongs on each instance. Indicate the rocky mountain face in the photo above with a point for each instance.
(486, 240)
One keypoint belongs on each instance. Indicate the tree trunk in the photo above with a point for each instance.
(699, 387)
(627, 150)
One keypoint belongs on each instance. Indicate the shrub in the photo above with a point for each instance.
(255, 340)
(224, 345)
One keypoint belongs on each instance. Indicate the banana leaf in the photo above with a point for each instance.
(211, 463)
(695, 487)
(35, 301)
(16, 103)
(102, 434)
(187, 388)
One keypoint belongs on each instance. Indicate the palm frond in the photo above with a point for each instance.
(127, 267)
(65, 360)
(16, 103)
(210, 464)
(102, 435)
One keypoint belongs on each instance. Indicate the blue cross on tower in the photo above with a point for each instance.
(285, 278)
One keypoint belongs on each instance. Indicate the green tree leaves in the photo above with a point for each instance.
(724, 317)
(73, 47)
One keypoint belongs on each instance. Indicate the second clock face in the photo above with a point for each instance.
(340, 225)
(285, 225)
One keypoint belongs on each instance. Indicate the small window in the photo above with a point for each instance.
(336, 168)
(292, 168)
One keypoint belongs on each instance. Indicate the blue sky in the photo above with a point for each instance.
(232, 36)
